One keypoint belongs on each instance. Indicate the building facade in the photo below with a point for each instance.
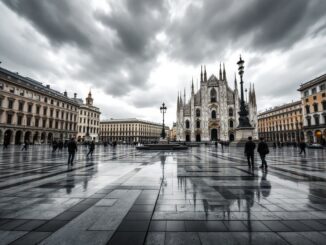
(211, 113)
(130, 130)
(30, 111)
(313, 97)
(173, 132)
(282, 123)
(88, 120)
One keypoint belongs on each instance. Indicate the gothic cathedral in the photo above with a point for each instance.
(211, 113)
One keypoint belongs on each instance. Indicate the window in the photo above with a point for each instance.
(324, 105)
(0, 102)
(9, 118)
(29, 120)
(231, 123)
(12, 90)
(313, 91)
(213, 95)
(45, 99)
(51, 112)
(306, 93)
(198, 124)
(315, 107)
(51, 102)
(307, 109)
(19, 120)
(45, 110)
(213, 114)
(308, 121)
(37, 122)
(10, 104)
(21, 106)
(50, 124)
(316, 120)
(44, 123)
(30, 108)
(230, 112)
(322, 87)
(1, 86)
(187, 124)
(38, 109)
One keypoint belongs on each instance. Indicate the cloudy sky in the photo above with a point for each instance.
(135, 54)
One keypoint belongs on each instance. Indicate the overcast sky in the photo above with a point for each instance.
(135, 54)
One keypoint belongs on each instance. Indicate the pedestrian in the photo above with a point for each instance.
(5, 144)
(263, 151)
(302, 146)
(54, 146)
(72, 148)
(25, 146)
(91, 148)
(250, 151)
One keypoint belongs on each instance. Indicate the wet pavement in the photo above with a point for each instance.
(124, 196)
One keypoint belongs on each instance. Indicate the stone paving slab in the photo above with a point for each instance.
(123, 196)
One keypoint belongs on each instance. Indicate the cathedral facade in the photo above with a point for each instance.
(211, 113)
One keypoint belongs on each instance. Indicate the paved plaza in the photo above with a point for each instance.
(199, 196)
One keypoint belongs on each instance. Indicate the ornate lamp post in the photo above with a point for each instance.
(243, 113)
(163, 111)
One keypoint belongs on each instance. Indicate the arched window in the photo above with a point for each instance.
(231, 123)
(187, 124)
(197, 113)
(213, 95)
(198, 124)
(213, 114)
(315, 107)
(230, 112)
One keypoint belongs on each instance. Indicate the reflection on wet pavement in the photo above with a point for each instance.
(125, 196)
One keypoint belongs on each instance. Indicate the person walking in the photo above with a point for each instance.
(250, 151)
(302, 146)
(72, 148)
(54, 146)
(263, 151)
(91, 148)
(25, 146)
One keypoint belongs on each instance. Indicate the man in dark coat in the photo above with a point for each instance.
(72, 148)
(250, 151)
(263, 151)
(91, 148)
(302, 146)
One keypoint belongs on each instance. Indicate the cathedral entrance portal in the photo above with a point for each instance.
(187, 137)
(214, 134)
(198, 138)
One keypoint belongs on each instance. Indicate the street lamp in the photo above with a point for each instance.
(163, 111)
(243, 113)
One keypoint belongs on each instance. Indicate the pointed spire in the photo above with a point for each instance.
(224, 73)
(201, 74)
(205, 75)
(249, 99)
(220, 72)
(235, 82)
(253, 94)
(178, 102)
(184, 95)
(192, 86)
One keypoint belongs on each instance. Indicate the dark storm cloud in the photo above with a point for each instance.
(55, 19)
(115, 59)
(206, 31)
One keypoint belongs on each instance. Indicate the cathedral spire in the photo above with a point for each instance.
(235, 82)
(224, 73)
(205, 75)
(184, 95)
(201, 74)
(178, 102)
(192, 86)
(253, 95)
(220, 72)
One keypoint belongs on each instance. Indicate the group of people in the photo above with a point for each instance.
(72, 149)
(263, 150)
